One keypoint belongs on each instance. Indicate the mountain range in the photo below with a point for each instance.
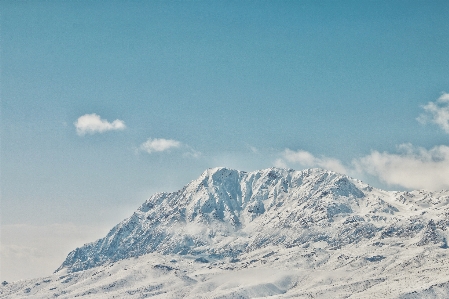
(275, 233)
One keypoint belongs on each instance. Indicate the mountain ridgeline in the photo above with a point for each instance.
(225, 213)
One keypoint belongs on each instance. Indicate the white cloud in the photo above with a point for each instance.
(412, 167)
(437, 112)
(280, 163)
(302, 157)
(92, 123)
(444, 98)
(159, 145)
(306, 159)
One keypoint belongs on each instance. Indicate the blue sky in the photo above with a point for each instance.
(355, 86)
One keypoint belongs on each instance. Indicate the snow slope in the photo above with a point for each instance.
(273, 232)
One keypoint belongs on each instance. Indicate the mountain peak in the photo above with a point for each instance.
(226, 212)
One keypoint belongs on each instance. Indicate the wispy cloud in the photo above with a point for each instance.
(93, 123)
(412, 167)
(253, 149)
(437, 112)
(307, 159)
(191, 153)
(161, 145)
(280, 163)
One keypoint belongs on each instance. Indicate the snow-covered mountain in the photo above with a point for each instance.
(312, 232)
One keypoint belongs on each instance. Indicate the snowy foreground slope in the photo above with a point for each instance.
(273, 232)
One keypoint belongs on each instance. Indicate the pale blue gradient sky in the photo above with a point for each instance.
(237, 81)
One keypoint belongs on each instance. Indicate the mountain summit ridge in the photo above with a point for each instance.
(227, 212)
(268, 233)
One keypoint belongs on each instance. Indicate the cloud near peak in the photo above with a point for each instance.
(411, 167)
(306, 159)
(93, 123)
